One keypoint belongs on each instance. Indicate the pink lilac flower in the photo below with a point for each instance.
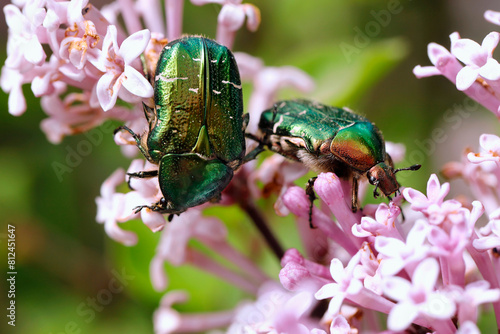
(167, 320)
(492, 16)
(74, 115)
(368, 270)
(478, 59)
(446, 64)
(489, 234)
(419, 298)
(116, 63)
(414, 271)
(231, 18)
(275, 311)
(469, 299)
(110, 206)
(482, 178)
(383, 224)
(468, 328)
(396, 254)
(491, 149)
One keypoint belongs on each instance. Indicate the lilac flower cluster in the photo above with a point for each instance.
(431, 273)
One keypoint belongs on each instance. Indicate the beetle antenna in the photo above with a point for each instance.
(414, 167)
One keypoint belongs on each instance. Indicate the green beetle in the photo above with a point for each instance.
(329, 139)
(196, 129)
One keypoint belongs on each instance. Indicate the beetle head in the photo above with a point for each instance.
(383, 176)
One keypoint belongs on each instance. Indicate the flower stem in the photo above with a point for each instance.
(261, 224)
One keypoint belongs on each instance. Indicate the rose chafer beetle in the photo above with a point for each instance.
(196, 128)
(329, 139)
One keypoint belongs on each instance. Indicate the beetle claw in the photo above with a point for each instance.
(138, 209)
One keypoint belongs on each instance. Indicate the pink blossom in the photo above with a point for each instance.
(396, 254)
(468, 328)
(447, 65)
(231, 18)
(490, 234)
(435, 195)
(340, 325)
(168, 320)
(11, 82)
(116, 63)
(299, 273)
(469, 299)
(345, 284)
(492, 16)
(275, 311)
(74, 115)
(418, 297)
(110, 206)
(478, 59)
(383, 224)
(368, 270)
(24, 49)
(81, 37)
(490, 145)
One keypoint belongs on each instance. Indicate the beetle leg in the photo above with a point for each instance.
(136, 138)
(312, 196)
(253, 153)
(354, 195)
(145, 174)
(158, 206)
(141, 175)
(375, 192)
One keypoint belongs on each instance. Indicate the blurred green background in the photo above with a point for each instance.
(64, 258)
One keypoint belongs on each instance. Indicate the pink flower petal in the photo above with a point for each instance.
(425, 276)
(125, 237)
(486, 243)
(159, 279)
(466, 77)
(437, 53)
(425, 71)
(206, 2)
(136, 83)
(397, 288)
(232, 17)
(134, 45)
(490, 142)
(107, 90)
(401, 316)
(253, 16)
(490, 42)
(34, 52)
(154, 220)
(435, 192)
(492, 16)
(469, 52)
(491, 70)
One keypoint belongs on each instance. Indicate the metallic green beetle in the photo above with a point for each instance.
(196, 129)
(329, 139)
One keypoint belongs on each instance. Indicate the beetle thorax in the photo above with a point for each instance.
(382, 176)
